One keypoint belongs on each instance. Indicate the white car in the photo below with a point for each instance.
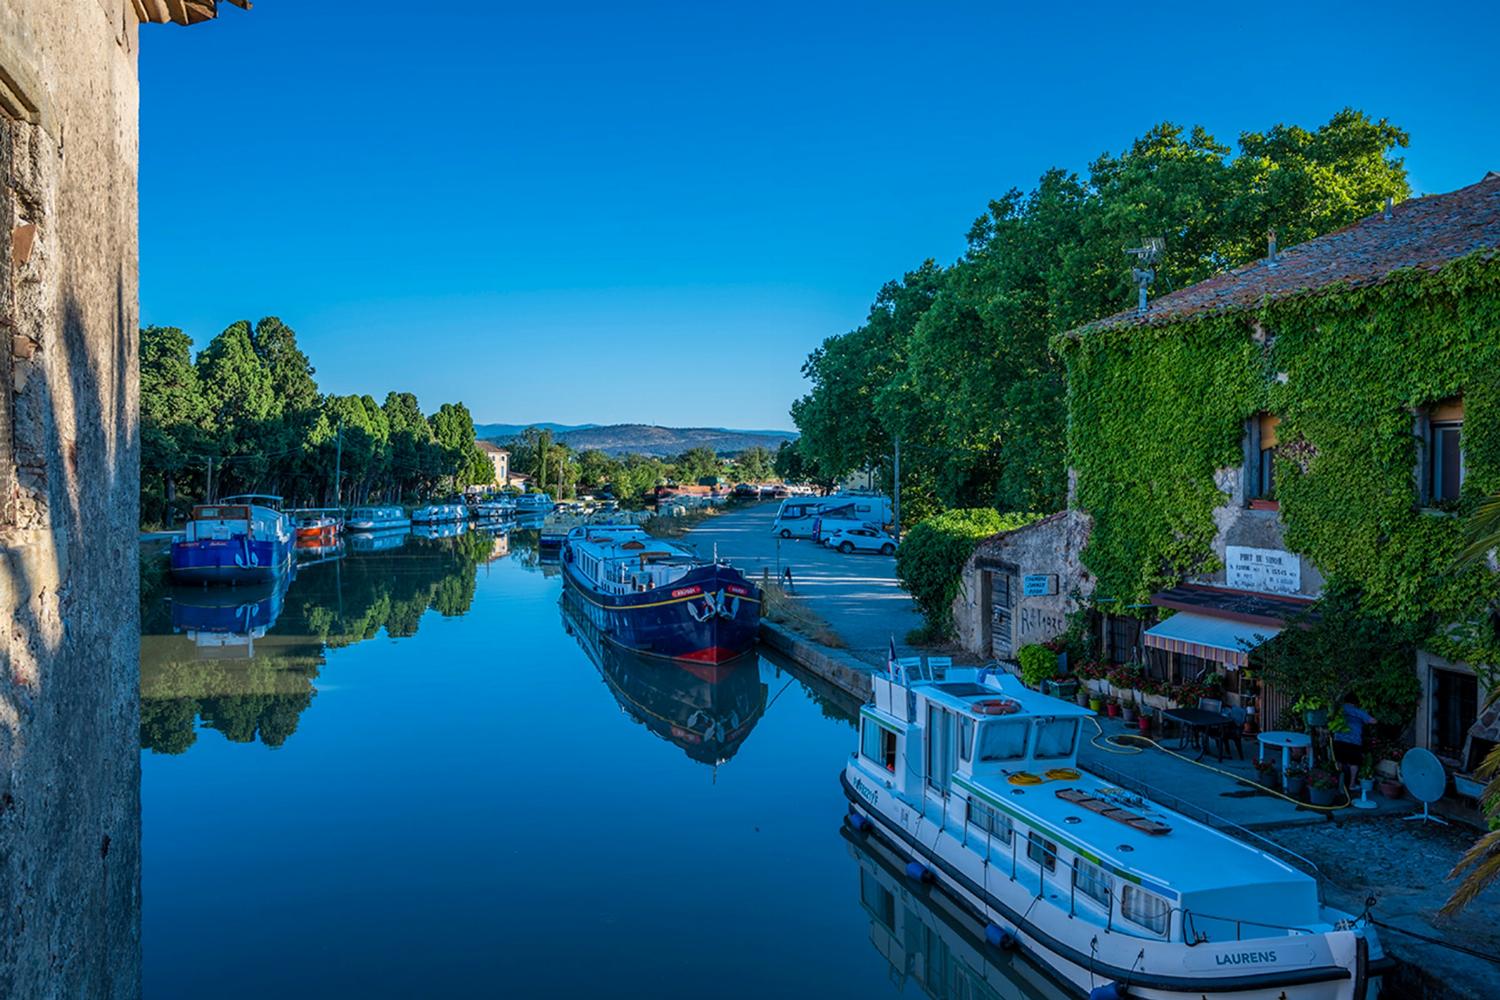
(861, 540)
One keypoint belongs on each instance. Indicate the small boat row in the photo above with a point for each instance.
(250, 538)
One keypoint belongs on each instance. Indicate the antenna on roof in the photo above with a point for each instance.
(1148, 253)
(1271, 247)
(1389, 204)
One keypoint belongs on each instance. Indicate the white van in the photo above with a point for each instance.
(798, 515)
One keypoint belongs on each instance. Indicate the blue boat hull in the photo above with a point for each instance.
(230, 560)
(710, 615)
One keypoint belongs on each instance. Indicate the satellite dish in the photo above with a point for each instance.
(1424, 777)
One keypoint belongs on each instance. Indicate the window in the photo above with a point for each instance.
(1145, 909)
(1260, 455)
(878, 901)
(965, 738)
(1003, 740)
(1442, 472)
(989, 820)
(1093, 882)
(1054, 738)
(879, 745)
(1042, 851)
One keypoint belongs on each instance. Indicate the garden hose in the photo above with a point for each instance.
(1111, 741)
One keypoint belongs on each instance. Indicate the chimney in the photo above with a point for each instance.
(1389, 203)
(1271, 247)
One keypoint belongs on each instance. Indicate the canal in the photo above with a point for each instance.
(410, 772)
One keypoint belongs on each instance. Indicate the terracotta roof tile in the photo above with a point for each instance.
(1421, 232)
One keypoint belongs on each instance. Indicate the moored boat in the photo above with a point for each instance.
(243, 539)
(440, 513)
(534, 503)
(377, 519)
(656, 596)
(705, 709)
(975, 780)
(315, 525)
(490, 510)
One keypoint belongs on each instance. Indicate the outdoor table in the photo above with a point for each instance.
(1285, 740)
(1194, 719)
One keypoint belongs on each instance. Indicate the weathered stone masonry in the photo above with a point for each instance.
(69, 489)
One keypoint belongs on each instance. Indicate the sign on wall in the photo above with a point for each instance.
(1039, 584)
(1271, 571)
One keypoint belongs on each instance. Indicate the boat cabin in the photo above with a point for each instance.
(622, 559)
(249, 514)
(996, 766)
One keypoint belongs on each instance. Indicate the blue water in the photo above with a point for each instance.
(416, 782)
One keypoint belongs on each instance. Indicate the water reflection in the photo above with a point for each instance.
(243, 660)
(929, 940)
(706, 709)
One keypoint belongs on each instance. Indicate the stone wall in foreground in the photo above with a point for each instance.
(69, 472)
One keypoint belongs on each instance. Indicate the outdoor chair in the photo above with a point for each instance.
(937, 666)
(1232, 733)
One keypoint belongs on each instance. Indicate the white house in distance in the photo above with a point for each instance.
(499, 459)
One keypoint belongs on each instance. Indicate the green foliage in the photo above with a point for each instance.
(956, 360)
(931, 558)
(1038, 663)
(1340, 649)
(250, 408)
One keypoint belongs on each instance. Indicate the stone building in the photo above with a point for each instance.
(1020, 586)
(1328, 412)
(69, 495)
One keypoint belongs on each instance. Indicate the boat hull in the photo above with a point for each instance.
(1341, 970)
(238, 559)
(392, 524)
(709, 616)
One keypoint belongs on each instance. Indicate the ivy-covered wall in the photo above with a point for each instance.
(1154, 411)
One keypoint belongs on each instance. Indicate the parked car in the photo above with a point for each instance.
(848, 540)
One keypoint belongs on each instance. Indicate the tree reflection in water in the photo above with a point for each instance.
(242, 660)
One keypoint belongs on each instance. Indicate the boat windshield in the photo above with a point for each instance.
(1003, 740)
(1054, 737)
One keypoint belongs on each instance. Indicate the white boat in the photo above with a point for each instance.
(440, 513)
(534, 503)
(377, 519)
(491, 510)
(975, 780)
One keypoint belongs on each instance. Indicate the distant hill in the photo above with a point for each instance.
(504, 432)
(646, 439)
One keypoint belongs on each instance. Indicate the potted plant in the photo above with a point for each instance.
(1314, 711)
(1294, 777)
(1265, 771)
(1038, 664)
(1389, 769)
(1096, 701)
(1127, 710)
(1366, 775)
(1322, 786)
(1144, 722)
(1112, 707)
(1082, 696)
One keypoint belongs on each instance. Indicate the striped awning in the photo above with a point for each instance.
(1218, 639)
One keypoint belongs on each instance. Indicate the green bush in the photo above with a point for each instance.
(1038, 663)
(931, 558)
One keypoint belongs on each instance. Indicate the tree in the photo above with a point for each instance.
(698, 463)
(241, 407)
(931, 559)
(755, 464)
(957, 360)
(174, 416)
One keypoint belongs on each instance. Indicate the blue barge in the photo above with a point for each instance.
(244, 539)
(655, 596)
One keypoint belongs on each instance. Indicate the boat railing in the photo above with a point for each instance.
(1190, 935)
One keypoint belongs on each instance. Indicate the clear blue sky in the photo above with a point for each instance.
(652, 212)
